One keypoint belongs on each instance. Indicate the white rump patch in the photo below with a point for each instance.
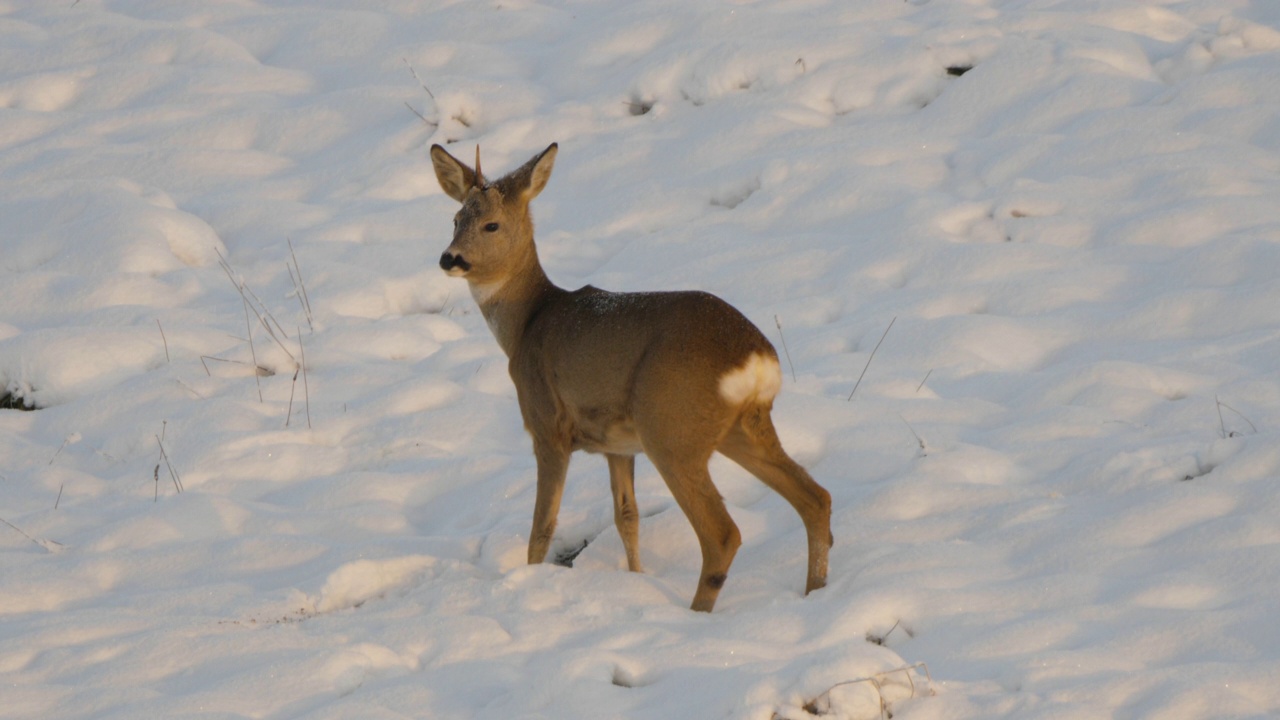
(758, 379)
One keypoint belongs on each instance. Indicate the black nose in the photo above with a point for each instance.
(449, 261)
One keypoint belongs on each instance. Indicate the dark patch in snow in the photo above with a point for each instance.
(1201, 471)
(958, 70)
(882, 639)
(566, 556)
(11, 400)
(625, 679)
(637, 106)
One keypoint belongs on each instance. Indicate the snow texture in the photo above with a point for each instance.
(1057, 485)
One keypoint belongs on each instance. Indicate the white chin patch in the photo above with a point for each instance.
(481, 292)
(757, 380)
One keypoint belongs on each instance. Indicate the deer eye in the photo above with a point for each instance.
(491, 227)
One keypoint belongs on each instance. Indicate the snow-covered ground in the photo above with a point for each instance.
(1057, 485)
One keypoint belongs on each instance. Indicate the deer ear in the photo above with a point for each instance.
(533, 177)
(455, 178)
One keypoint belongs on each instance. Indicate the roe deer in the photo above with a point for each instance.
(675, 375)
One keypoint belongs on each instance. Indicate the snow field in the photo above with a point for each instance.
(1055, 484)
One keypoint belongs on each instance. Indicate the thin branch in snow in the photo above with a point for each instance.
(429, 122)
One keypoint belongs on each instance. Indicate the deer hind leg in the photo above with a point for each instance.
(690, 483)
(753, 443)
(553, 464)
(626, 514)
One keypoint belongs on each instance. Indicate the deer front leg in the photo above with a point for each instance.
(626, 515)
(553, 464)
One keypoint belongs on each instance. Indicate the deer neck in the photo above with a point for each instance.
(509, 303)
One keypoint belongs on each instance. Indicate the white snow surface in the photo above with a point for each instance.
(1057, 487)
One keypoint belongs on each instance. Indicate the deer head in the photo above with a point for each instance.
(493, 231)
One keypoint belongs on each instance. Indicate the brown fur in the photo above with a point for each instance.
(620, 374)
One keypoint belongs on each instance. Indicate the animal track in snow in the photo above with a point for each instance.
(732, 196)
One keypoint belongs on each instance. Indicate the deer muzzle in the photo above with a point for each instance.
(454, 264)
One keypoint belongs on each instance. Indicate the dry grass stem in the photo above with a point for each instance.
(420, 115)
(925, 380)
(61, 447)
(258, 370)
(190, 389)
(1222, 425)
(871, 357)
(421, 84)
(300, 287)
(166, 341)
(173, 474)
(259, 309)
(248, 327)
(924, 451)
(306, 391)
(49, 545)
(293, 386)
(784, 347)
(877, 682)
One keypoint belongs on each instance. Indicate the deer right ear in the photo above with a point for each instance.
(455, 178)
(540, 171)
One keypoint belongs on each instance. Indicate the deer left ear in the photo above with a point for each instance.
(533, 176)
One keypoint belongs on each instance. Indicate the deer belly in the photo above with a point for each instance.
(598, 432)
